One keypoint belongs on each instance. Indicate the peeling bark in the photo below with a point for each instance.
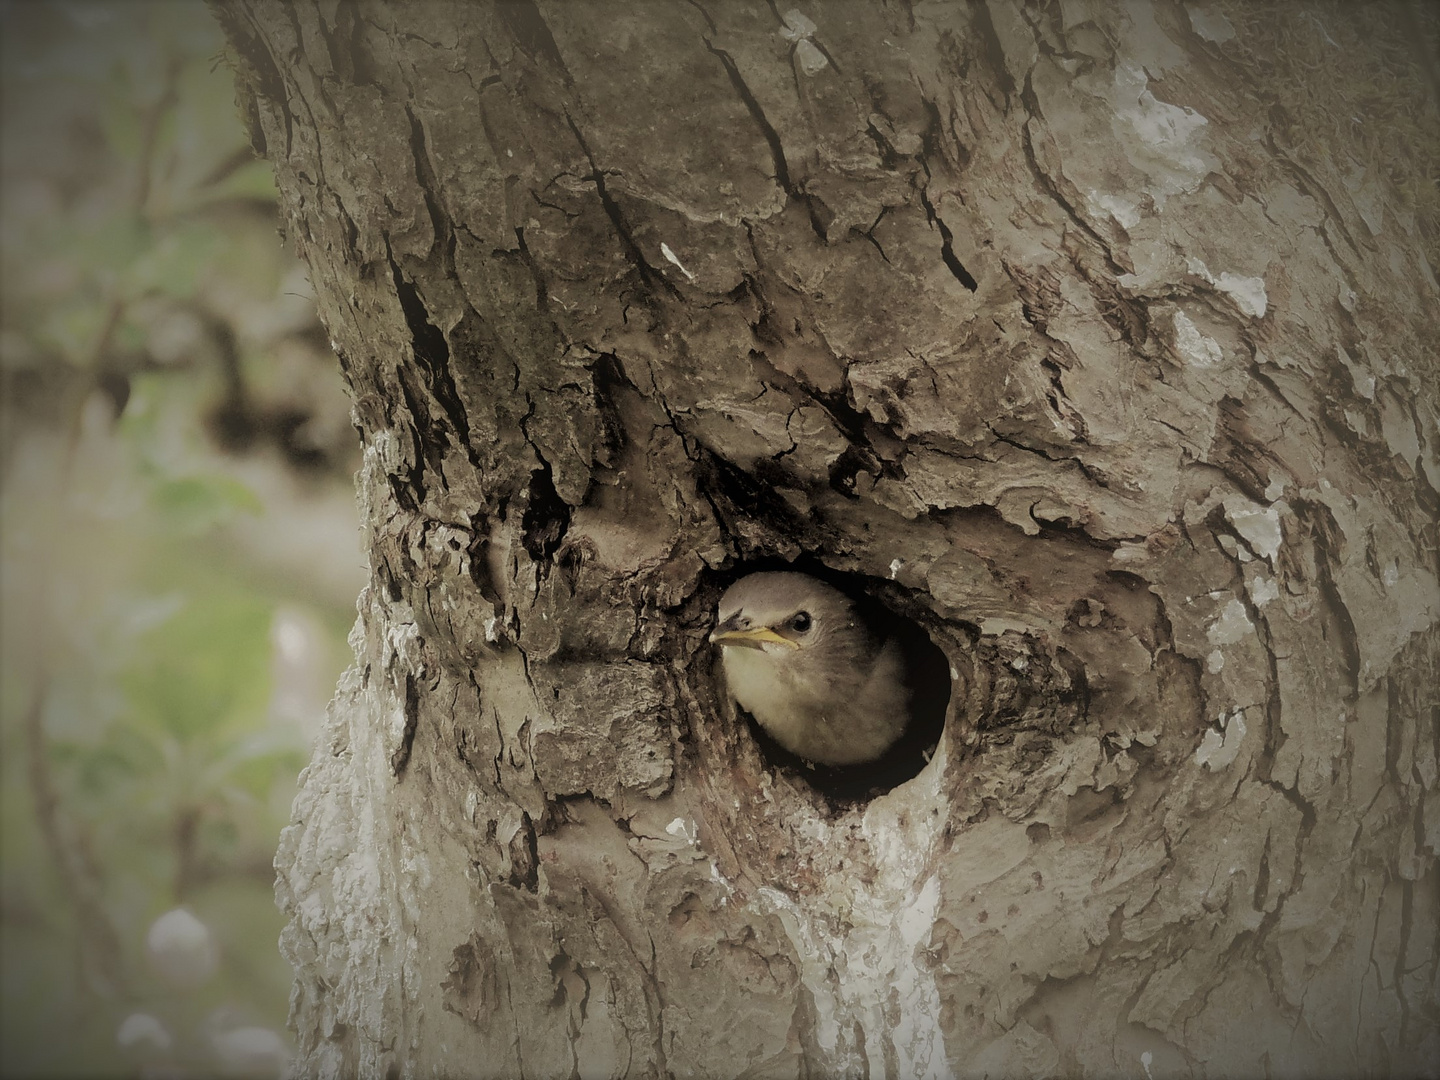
(1028, 320)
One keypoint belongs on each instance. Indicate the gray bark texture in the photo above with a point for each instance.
(1030, 317)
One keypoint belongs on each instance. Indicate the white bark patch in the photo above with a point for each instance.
(811, 60)
(1232, 625)
(679, 828)
(918, 1041)
(385, 446)
(1130, 555)
(798, 29)
(1219, 748)
(670, 258)
(1197, 349)
(1160, 138)
(1233, 549)
(1258, 526)
(721, 880)
(1212, 26)
(401, 653)
(1247, 292)
(864, 952)
(1263, 590)
(507, 825)
(1125, 211)
(797, 26)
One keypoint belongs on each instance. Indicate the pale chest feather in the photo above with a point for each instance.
(828, 716)
(763, 686)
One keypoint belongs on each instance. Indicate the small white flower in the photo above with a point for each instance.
(181, 949)
(140, 1028)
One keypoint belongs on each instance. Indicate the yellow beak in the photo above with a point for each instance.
(750, 639)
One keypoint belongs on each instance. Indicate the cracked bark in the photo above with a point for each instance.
(976, 311)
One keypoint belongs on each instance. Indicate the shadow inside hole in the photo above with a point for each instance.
(928, 679)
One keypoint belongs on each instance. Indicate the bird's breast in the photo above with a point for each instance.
(758, 682)
(822, 714)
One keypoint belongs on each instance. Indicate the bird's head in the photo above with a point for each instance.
(782, 614)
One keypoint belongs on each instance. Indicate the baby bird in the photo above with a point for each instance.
(801, 660)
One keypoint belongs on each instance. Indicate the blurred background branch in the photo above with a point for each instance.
(180, 549)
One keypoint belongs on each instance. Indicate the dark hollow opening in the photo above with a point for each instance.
(928, 676)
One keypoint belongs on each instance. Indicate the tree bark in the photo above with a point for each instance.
(1038, 324)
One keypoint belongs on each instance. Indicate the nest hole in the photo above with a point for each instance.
(928, 673)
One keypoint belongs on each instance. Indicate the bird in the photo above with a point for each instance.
(823, 681)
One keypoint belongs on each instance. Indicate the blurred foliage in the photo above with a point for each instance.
(180, 553)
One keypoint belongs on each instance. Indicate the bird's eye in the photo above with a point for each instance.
(800, 622)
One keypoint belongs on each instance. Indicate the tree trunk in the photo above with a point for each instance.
(1040, 324)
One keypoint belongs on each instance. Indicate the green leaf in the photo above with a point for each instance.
(73, 329)
(195, 504)
(254, 180)
(111, 244)
(176, 264)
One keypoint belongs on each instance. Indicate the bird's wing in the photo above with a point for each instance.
(885, 693)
